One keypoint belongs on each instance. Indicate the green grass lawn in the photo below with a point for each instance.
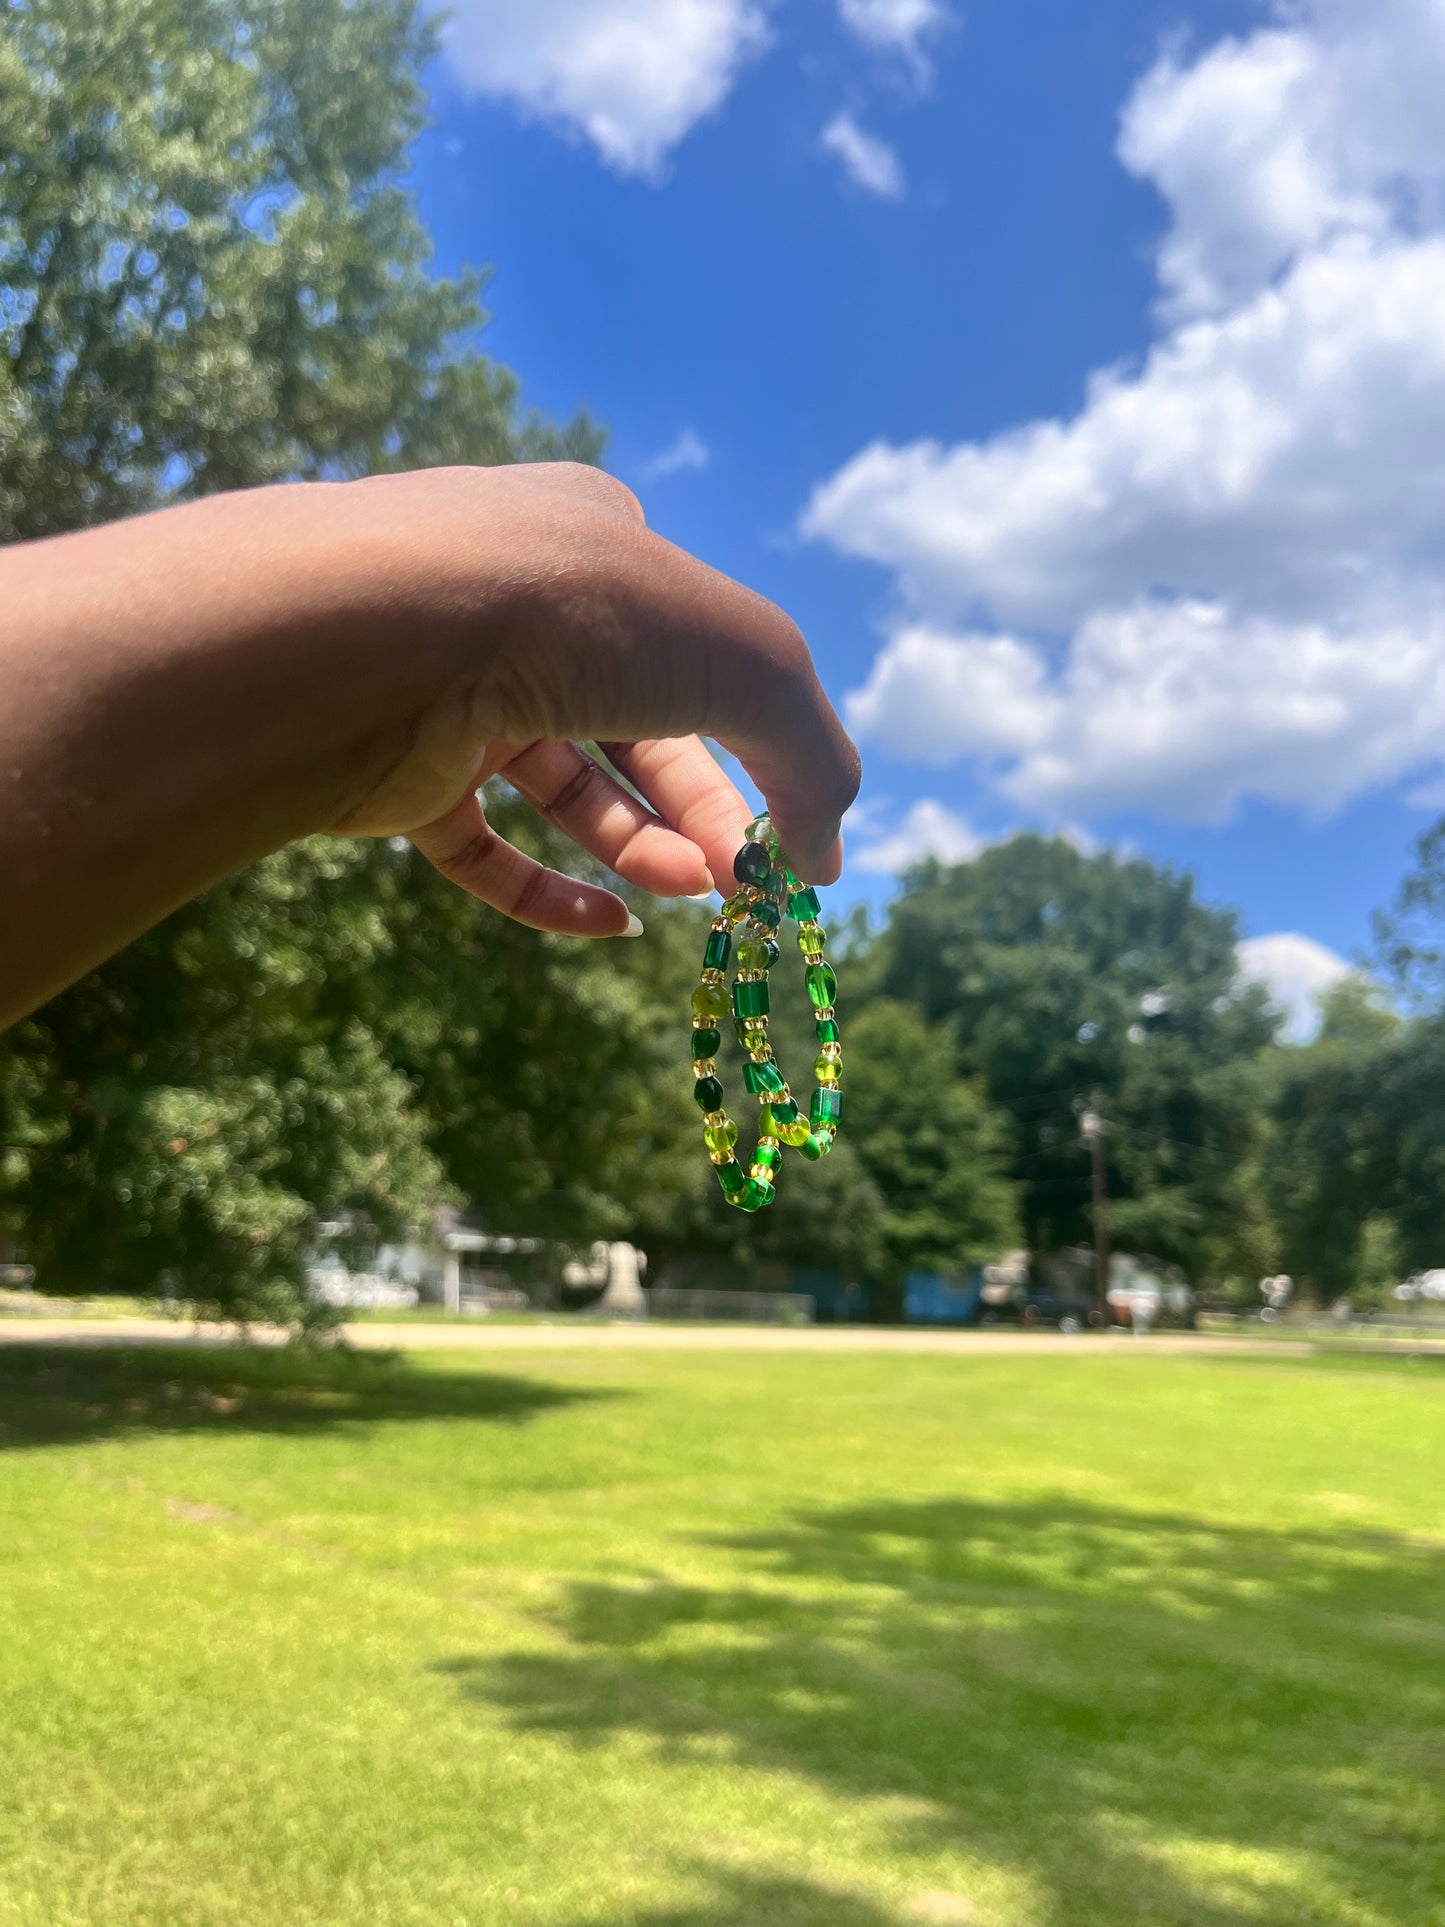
(721, 1640)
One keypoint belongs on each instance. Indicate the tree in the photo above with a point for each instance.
(1065, 977)
(212, 276)
(212, 273)
(927, 1137)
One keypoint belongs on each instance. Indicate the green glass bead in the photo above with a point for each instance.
(822, 985)
(817, 1144)
(768, 1155)
(752, 863)
(760, 830)
(811, 941)
(752, 954)
(718, 949)
(709, 1094)
(803, 906)
(750, 1000)
(720, 1137)
(827, 1030)
(776, 1115)
(762, 1077)
(705, 1043)
(827, 1070)
(795, 1133)
(757, 1193)
(731, 1176)
(772, 951)
(738, 905)
(827, 1106)
(751, 1034)
(710, 1000)
(766, 912)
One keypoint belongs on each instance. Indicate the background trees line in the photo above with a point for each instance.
(212, 276)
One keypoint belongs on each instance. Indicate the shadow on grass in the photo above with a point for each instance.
(1135, 1716)
(51, 1395)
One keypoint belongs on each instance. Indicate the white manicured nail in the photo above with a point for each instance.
(634, 926)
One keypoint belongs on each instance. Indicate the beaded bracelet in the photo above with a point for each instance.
(764, 882)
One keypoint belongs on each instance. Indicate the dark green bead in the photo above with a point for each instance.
(762, 1077)
(718, 949)
(752, 863)
(822, 985)
(816, 1145)
(750, 1000)
(771, 952)
(768, 1155)
(731, 1176)
(784, 1111)
(766, 912)
(827, 1029)
(705, 1043)
(709, 1094)
(826, 1107)
(803, 906)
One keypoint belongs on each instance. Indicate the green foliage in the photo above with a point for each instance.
(211, 274)
(1064, 976)
(927, 1137)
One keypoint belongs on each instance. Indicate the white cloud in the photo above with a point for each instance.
(1294, 969)
(929, 828)
(687, 451)
(898, 26)
(867, 161)
(633, 76)
(1225, 576)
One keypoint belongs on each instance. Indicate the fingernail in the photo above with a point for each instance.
(701, 896)
(634, 926)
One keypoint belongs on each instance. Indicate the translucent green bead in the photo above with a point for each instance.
(765, 911)
(738, 905)
(795, 1133)
(827, 1106)
(811, 940)
(776, 1115)
(761, 830)
(705, 1043)
(752, 863)
(768, 1156)
(817, 1144)
(757, 1193)
(717, 951)
(827, 1070)
(720, 1137)
(822, 985)
(750, 1000)
(751, 1033)
(826, 1030)
(710, 1000)
(803, 906)
(731, 1176)
(752, 954)
(762, 1077)
(709, 1094)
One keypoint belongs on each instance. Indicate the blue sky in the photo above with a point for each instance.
(1071, 373)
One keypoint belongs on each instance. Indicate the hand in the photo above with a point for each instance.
(183, 692)
(565, 619)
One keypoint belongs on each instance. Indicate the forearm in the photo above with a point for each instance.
(179, 694)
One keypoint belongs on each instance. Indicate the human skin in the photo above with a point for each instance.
(185, 691)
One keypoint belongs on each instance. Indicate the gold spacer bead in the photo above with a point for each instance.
(720, 1157)
(712, 976)
(721, 923)
(704, 1067)
(833, 1052)
(825, 1016)
(715, 1117)
(767, 1140)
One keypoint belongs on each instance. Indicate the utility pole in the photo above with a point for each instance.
(1093, 1127)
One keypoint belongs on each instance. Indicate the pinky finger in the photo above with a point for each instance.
(468, 852)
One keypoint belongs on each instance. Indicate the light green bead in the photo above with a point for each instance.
(711, 1000)
(827, 1070)
(720, 1137)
